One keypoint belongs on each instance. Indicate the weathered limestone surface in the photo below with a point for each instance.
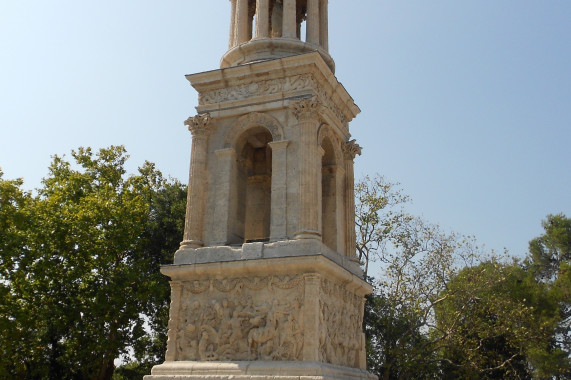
(266, 283)
(298, 316)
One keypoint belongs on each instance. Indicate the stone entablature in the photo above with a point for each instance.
(270, 83)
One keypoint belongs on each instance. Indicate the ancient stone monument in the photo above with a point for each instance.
(266, 283)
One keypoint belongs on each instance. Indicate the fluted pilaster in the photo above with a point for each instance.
(350, 150)
(200, 126)
(307, 112)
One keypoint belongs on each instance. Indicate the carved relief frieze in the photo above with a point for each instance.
(340, 321)
(270, 87)
(245, 318)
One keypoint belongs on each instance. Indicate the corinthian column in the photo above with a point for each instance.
(200, 127)
(350, 150)
(307, 112)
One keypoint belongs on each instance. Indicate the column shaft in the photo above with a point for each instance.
(324, 24)
(224, 207)
(262, 18)
(196, 197)
(313, 21)
(351, 149)
(340, 208)
(242, 22)
(232, 39)
(307, 113)
(289, 21)
(278, 222)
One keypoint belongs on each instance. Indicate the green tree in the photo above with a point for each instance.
(415, 261)
(494, 322)
(15, 313)
(85, 278)
(550, 260)
(379, 213)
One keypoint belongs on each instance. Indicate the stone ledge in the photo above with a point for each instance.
(255, 251)
(259, 370)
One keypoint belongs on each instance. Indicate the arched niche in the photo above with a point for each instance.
(332, 190)
(253, 184)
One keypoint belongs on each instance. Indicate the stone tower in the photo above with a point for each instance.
(266, 283)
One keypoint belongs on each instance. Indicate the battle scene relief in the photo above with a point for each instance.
(240, 319)
(340, 320)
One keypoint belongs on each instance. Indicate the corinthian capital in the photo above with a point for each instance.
(307, 109)
(351, 149)
(199, 125)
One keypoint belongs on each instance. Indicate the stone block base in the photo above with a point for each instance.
(258, 370)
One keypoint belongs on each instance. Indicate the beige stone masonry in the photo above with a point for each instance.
(266, 283)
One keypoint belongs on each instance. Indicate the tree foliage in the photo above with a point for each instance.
(496, 321)
(445, 308)
(79, 266)
(550, 261)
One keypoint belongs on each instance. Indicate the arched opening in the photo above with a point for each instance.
(329, 195)
(254, 173)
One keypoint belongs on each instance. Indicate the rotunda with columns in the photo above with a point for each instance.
(269, 29)
(266, 283)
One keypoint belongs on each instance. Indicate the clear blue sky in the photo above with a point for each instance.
(466, 103)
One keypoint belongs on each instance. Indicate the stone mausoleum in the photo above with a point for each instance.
(266, 283)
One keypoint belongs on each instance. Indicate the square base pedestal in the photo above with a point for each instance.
(258, 370)
(246, 316)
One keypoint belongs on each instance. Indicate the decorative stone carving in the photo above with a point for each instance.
(246, 318)
(351, 149)
(199, 125)
(269, 87)
(340, 321)
(307, 109)
(250, 120)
